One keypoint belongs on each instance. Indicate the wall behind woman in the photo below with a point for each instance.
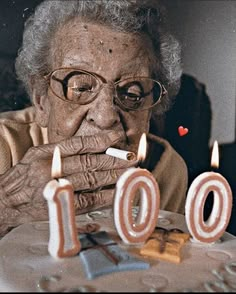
(207, 30)
(13, 14)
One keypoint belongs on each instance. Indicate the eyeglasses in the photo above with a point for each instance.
(81, 87)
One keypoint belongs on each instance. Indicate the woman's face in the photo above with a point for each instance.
(111, 55)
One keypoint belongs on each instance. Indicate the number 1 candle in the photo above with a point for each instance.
(63, 239)
(213, 228)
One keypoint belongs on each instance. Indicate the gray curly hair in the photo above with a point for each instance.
(121, 15)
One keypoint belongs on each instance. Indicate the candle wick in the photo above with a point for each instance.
(141, 163)
(214, 169)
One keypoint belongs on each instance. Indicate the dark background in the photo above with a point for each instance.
(13, 14)
(207, 31)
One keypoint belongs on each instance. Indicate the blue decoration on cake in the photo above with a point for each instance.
(100, 255)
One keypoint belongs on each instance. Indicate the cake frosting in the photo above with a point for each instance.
(26, 264)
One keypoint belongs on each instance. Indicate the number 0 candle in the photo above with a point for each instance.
(130, 182)
(213, 228)
(59, 193)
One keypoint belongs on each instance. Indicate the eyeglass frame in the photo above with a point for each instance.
(103, 82)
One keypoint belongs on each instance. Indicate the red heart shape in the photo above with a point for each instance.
(182, 131)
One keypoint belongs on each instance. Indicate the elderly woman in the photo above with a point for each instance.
(98, 73)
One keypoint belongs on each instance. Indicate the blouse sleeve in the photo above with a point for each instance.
(5, 153)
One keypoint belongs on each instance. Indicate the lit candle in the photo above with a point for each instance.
(63, 239)
(131, 182)
(213, 228)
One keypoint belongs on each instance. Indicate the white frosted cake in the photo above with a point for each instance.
(26, 265)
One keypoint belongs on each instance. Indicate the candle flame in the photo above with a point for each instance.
(56, 163)
(215, 155)
(142, 148)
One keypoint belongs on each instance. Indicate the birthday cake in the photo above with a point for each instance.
(106, 264)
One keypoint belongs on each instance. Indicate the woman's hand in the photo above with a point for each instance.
(91, 172)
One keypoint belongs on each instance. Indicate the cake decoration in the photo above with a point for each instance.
(88, 228)
(45, 282)
(110, 259)
(155, 282)
(94, 241)
(211, 230)
(231, 268)
(45, 285)
(165, 244)
(96, 215)
(225, 279)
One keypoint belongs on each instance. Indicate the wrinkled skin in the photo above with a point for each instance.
(83, 132)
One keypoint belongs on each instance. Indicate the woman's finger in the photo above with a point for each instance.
(92, 162)
(76, 145)
(95, 179)
(94, 200)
